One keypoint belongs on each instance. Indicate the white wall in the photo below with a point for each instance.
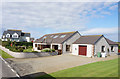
(102, 42)
(75, 49)
(115, 49)
(23, 38)
(35, 48)
(28, 39)
(70, 42)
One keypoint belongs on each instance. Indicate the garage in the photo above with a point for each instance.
(82, 50)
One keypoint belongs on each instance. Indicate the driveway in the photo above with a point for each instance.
(52, 64)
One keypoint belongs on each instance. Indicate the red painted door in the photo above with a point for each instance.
(83, 50)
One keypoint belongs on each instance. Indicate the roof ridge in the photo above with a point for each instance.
(25, 32)
(13, 30)
(62, 33)
(92, 35)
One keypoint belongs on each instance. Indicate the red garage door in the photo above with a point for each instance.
(83, 50)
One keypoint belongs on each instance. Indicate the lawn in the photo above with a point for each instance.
(27, 50)
(98, 69)
(4, 54)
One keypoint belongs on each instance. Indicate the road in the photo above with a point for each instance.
(6, 70)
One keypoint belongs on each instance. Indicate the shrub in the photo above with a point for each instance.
(27, 50)
(45, 50)
(35, 51)
(52, 50)
(48, 50)
(6, 43)
(24, 44)
(20, 49)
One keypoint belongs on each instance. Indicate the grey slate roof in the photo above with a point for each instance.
(12, 32)
(50, 38)
(25, 34)
(19, 32)
(111, 42)
(90, 39)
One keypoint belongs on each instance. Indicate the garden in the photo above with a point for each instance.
(22, 46)
(18, 46)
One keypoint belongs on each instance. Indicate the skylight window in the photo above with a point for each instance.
(44, 37)
(62, 36)
(51, 36)
(55, 36)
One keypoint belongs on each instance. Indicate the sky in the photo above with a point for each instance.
(39, 18)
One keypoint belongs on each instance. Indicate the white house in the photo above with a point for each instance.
(74, 43)
(59, 41)
(15, 35)
(90, 45)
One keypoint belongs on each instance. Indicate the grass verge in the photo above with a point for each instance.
(5, 55)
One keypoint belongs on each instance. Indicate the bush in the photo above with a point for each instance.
(52, 50)
(35, 51)
(27, 50)
(6, 43)
(14, 49)
(28, 44)
(48, 50)
(45, 50)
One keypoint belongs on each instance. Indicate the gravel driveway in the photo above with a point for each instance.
(51, 64)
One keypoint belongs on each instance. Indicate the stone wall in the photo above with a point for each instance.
(27, 55)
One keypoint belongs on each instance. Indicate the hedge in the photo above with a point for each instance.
(48, 50)
(8, 43)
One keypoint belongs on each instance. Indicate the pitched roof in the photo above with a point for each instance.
(25, 34)
(55, 38)
(12, 32)
(90, 39)
(111, 42)
(19, 32)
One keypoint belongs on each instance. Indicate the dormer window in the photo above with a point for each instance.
(15, 35)
(3, 36)
(8, 35)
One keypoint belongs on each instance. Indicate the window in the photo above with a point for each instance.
(15, 35)
(7, 35)
(67, 47)
(51, 36)
(103, 49)
(3, 36)
(112, 50)
(35, 45)
(62, 36)
(55, 36)
(44, 37)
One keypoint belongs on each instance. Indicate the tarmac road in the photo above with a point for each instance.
(5, 70)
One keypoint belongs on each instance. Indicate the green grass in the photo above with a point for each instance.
(4, 54)
(98, 69)
(28, 50)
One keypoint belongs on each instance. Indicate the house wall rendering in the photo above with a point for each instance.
(75, 50)
(70, 42)
(98, 46)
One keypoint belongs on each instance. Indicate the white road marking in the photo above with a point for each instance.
(10, 67)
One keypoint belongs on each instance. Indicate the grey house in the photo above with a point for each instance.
(91, 45)
(74, 43)
(58, 41)
(16, 35)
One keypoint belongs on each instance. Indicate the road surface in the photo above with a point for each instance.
(6, 70)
